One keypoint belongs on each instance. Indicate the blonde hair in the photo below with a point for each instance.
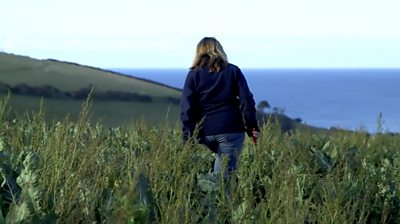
(210, 53)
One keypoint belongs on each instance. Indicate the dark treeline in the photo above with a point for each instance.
(47, 91)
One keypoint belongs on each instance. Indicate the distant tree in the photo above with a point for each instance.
(262, 105)
(278, 110)
(298, 120)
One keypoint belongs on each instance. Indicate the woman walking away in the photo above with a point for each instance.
(217, 96)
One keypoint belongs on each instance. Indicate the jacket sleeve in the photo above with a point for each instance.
(188, 111)
(247, 104)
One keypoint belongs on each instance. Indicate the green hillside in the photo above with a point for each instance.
(68, 77)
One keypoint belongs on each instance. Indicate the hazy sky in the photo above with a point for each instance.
(160, 34)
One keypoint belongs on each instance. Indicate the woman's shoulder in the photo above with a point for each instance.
(194, 70)
(233, 67)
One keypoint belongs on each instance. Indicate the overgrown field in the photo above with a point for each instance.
(80, 172)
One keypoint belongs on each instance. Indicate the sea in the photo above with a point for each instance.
(352, 99)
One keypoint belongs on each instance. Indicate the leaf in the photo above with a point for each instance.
(46, 219)
(145, 195)
(18, 213)
(9, 188)
(2, 220)
(1, 146)
(207, 182)
(326, 146)
(334, 154)
(323, 160)
(240, 212)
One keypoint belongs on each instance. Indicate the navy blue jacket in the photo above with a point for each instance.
(222, 99)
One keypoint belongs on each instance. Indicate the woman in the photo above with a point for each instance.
(216, 96)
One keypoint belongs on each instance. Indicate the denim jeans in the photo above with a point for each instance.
(229, 144)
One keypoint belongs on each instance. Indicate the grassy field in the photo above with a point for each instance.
(15, 70)
(108, 113)
(80, 172)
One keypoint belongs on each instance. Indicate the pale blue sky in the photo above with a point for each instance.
(161, 34)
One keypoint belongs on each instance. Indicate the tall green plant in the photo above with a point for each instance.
(75, 171)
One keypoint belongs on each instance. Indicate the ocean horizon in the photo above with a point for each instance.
(353, 99)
